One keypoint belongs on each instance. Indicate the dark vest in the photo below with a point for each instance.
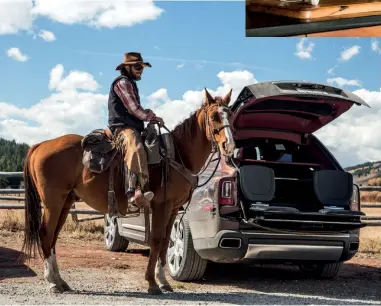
(118, 115)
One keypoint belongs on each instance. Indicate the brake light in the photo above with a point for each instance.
(355, 200)
(227, 191)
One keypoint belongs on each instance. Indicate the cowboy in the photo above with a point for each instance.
(126, 121)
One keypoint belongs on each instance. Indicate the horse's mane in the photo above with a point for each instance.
(186, 128)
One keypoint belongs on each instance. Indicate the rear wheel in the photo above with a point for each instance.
(113, 241)
(321, 271)
(184, 264)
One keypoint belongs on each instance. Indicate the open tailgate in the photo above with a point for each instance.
(301, 107)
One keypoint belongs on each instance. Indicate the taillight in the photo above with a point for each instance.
(227, 191)
(355, 200)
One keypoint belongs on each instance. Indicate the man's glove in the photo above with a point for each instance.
(158, 120)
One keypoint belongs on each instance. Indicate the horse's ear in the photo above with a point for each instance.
(226, 99)
(208, 97)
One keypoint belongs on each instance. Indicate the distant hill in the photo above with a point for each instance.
(367, 172)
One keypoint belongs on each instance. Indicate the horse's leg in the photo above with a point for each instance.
(162, 261)
(64, 213)
(157, 232)
(52, 213)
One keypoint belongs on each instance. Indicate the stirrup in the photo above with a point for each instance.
(148, 196)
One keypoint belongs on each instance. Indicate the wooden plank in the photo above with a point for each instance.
(11, 174)
(12, 191)
(359, 32)
(72, 211)
(329, 9)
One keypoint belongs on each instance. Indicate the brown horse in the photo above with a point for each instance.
(54, 174)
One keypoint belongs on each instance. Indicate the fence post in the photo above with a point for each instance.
(74, 217)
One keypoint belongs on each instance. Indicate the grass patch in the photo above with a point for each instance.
(178, 286)
(12, 224)
(370, 197)
(13, 221)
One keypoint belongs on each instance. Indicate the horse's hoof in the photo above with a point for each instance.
(66, 287)
(166, 288)
(56, 289)
(154, 291)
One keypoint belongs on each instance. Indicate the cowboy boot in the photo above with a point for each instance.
(140, 199)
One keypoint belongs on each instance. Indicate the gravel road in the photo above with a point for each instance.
(101, 277)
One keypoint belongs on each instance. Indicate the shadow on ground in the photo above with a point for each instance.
(11, 266)
(359, 283)
(353, 281)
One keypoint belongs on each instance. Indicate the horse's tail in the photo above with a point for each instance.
(32, 212)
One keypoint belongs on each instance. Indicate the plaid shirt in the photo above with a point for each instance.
(125, 92)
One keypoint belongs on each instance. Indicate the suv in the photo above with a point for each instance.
(282, 197)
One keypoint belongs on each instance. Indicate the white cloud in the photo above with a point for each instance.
(375, 45)
(75, 80)
(47, 35)
(179, 66)
(102, 13)
(173, 111)
(161, 94)
(74, 106)
(352, 137)
(302, 51)
(16, 54)
(341, 82)
(348, 53)
(331, 70)
(15, 16)
(19, 15)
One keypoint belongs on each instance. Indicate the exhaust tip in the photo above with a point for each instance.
(230, 243)
(353, 246)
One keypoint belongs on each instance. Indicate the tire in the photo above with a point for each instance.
(191, 266)
(113, 241)
(321, 271)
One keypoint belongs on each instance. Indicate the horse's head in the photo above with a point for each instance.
(217, 117)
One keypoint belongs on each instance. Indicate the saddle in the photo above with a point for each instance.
(99, 148)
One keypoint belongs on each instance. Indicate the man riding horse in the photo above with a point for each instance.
(126, 121)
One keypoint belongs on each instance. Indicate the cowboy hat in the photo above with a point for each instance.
(132, 58)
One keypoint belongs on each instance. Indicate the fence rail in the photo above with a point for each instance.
(4, 195)
(74, 212)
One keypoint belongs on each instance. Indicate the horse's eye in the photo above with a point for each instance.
(215, 117)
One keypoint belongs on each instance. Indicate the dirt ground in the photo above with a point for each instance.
(98, 276)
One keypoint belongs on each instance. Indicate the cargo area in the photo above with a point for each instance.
(292, 186)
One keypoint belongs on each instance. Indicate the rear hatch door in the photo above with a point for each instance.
(301, 107)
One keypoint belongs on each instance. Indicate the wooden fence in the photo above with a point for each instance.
(5, 195)
(15, 195)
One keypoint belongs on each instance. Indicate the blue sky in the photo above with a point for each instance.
(205, 38)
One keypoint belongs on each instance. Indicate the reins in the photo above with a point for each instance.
(214, 150)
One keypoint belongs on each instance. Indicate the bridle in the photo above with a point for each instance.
(215, 148)
(213, 131)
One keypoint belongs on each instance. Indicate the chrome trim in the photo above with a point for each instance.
(134, 227)
(240, 243)
(247, 232)
(293, 252)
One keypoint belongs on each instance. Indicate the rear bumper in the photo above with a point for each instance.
(274, 247)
